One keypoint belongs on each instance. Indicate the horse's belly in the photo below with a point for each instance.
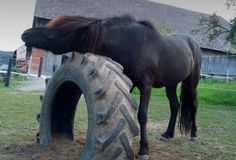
(172, 75)
(167, 82)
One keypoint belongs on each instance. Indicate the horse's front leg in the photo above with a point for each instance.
(145, 92)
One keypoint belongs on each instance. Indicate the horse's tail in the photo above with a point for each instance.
(188, 105)
(188, 96)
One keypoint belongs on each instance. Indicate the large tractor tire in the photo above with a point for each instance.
(110, 107)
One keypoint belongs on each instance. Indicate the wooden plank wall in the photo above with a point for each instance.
(219, 65)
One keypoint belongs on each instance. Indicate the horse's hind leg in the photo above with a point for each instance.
(189, 105)
(193, 132)
(174, 108)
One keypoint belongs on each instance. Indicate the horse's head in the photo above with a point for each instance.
(41, 37)
(62, 34)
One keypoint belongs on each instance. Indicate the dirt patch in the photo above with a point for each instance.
(64, 149)
(61, 149)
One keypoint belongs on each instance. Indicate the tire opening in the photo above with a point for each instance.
(81, 121)
(63, 109)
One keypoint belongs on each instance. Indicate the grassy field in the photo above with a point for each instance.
(216, 121)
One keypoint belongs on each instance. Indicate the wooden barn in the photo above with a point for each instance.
(165, 17)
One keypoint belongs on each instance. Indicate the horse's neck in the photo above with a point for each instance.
(91, 39)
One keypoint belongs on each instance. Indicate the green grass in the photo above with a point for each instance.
(18, 112)
(210, 92)
(217, 93)
(216, 119)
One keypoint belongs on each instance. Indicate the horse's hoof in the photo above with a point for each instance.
(163, 139)
(194, 139)
(143, 157)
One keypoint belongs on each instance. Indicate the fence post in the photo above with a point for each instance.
(40, 67)
(8, 76)
(64, 59)
(54, 68)
(227, 78)
(30, 65)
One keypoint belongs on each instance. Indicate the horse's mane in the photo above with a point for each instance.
(69, 23)
(147, 23)
(119, 21)
(126, 21)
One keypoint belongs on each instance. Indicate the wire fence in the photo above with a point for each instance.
(32, 66)
(226, 78)
(12, 66)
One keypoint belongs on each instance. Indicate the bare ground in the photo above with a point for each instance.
(59, 150)
(63, 149)
(32, 84)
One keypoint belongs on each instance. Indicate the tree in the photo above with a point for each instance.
(230, 3)
(214, 27)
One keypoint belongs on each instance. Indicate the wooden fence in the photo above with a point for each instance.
(222, 65)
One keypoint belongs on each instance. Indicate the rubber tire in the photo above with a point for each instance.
(110, 107)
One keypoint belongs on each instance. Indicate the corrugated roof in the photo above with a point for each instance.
(179, 20)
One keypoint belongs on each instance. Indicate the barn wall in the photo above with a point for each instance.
(35, 60)
(49, 61)
(218, 63)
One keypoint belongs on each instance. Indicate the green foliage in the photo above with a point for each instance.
(166, 29)
(232, 33)
(213, 27)
(230, 3)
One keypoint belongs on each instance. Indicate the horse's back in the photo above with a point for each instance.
(192, 44)
(180, 54)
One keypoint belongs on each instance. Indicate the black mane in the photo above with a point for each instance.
(125, 21)
(119, 21)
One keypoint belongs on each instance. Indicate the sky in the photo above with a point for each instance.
(17, 16)
(205, 6)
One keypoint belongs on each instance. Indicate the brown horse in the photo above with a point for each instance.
(150, 59)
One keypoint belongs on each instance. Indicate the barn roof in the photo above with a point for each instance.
(180, 20)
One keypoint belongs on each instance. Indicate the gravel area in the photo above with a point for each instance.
(33, 84)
